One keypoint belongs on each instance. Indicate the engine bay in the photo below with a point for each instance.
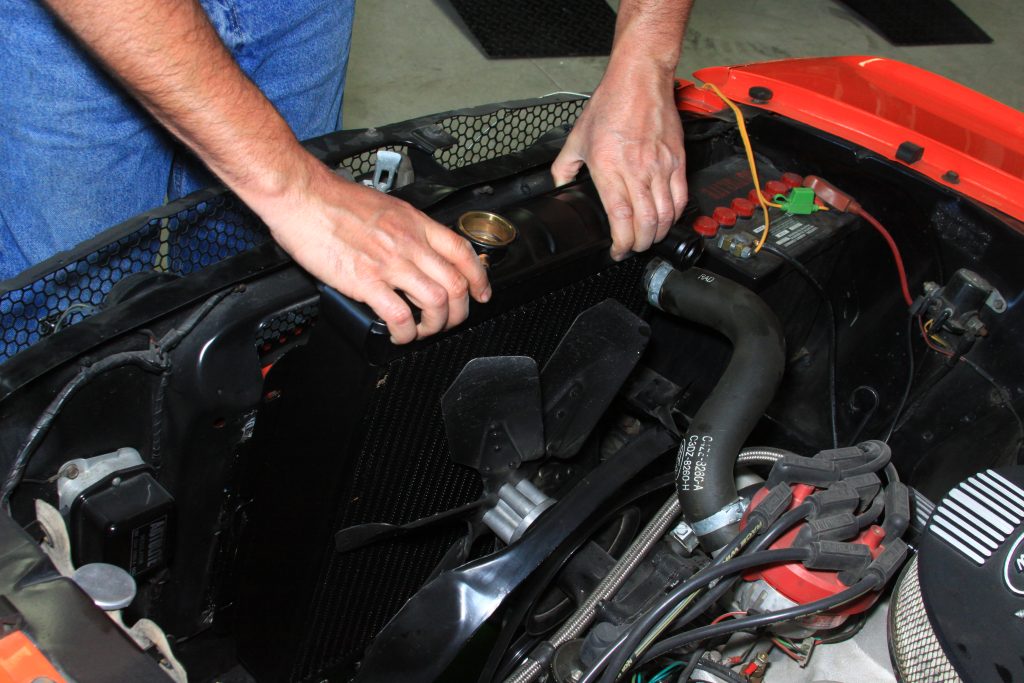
(717, 461)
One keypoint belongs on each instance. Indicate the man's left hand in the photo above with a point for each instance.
(631, 140)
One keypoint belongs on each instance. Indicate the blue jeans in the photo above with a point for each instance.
(78, 154)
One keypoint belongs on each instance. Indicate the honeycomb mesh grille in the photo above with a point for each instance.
(505, 131)
(403, 470)
(180, 243)
(361, 164)
(918, 655)
(278, 329)
(216, 227)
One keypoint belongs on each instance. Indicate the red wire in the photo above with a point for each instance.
(722, 617)
(933, 347)
(893, 248)
(790, 653)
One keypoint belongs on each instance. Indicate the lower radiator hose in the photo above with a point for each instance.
(707, 456)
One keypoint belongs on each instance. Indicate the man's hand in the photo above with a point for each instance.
(630, 138)
(362, 243)
(367, 245)
(629, 134)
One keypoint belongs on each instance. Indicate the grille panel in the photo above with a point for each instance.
(506, 131)
(216, 226)
(403, 470)
(181, 243)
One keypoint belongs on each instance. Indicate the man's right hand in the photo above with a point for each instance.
(369, 246)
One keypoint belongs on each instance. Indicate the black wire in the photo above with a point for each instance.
(852, 627)
(868, 413)
(721, 670)
(874, 511)
(748, 623)
(684, 677)
(148, 360)
(781, 526)
(880, 461)
(615, 658)
(832, 332)
(910, 378)
(153, 359)
(618, 654)
(1004, 394)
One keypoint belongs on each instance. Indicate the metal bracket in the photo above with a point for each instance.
(686, 536)
(386, 171)
(75, 476)
(996, 301)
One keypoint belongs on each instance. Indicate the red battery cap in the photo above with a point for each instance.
(725, 216)
(752, 197)
(706, 226)
(774, 187)
(744, 208)
(792, 180)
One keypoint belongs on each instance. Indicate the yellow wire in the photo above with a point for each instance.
(927, 329)
(750, 159)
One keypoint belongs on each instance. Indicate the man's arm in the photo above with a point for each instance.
(629, 134)
(362, 242)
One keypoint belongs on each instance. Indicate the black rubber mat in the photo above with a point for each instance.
(539, 28)
(919, 22)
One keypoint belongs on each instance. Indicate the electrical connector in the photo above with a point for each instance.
(847, 457)
(796, 469)
(837, 498)
(740, 244)
(877, 455)
(866, 485)
(771, 507)
(884, 567)
(831, 195)
(837, 556)
(800, 201)
(897, 510)
(840, 527)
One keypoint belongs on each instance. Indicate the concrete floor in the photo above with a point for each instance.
(413, 57)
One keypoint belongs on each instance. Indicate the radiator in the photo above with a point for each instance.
(394, 468)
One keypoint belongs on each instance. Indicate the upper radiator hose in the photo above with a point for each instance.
(707, 455)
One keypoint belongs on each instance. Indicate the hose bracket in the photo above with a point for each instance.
(730, 514)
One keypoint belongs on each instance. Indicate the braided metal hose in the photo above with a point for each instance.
(584, 614)
(761, 456)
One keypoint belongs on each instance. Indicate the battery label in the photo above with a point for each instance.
(789, 230)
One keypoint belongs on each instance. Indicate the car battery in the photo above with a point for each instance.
(725, 211)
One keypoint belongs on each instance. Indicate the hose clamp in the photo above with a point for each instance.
(730, 514)
(656, 281)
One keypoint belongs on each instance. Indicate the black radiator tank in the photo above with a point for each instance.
(351, 433)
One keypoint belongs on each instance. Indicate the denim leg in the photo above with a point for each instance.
(78, 154)
(295, 51)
